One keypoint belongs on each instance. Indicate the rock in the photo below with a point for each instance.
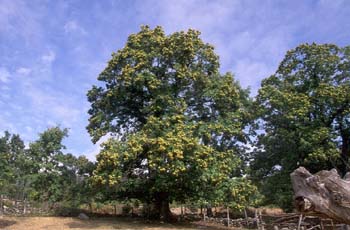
(83, 216)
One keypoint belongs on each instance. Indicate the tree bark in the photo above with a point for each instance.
(344, 152)
(1, 206)
(161, 208)
(324, 194)
(209, 211)
(90, 207)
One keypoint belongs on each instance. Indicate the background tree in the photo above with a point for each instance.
(74, 181)
(44, 174)
(304, 112)
(7, 171)
(15, 165)
(45, 152)
(176, 121)
(58, 177)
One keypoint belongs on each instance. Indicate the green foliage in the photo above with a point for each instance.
(14, 164)
(47, 153)
(178, 122)
(143, 78)
(43, 172)
(237, 193)
(304, 111)
(178, 129)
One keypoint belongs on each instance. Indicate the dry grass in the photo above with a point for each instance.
(53, 223)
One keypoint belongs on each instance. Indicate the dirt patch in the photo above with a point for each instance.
(53, 223)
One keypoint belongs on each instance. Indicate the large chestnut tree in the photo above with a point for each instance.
(176, 122)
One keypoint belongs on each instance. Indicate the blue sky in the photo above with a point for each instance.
(51, 52)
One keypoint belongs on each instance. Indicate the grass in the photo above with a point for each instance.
(53, 223)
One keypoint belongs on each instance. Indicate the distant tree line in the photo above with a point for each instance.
(183, 132)
(42, 172)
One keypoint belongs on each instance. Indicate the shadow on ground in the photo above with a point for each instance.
(6, 223)
(123, 223)
(132, 223)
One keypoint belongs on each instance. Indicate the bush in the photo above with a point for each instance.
(67, 211)
(126, 209)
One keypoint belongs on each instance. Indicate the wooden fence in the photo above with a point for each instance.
(18, 207)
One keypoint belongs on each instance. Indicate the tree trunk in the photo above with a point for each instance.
(90, 207)
(344, 168)
(324, 194)
(1, 206)
(160, 208)
(209, 211)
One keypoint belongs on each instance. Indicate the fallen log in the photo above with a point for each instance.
(324, 194)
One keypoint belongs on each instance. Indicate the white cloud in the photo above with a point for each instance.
(5, 96)
(73, 27)
(16, 107)
(23, 71)
(28, 128)
(334, 4)
(49, 57)
(51, 123)
(184, 14)
(5, 125)
(70, 26)
(5, 88)
(250, 73)
(68, 114)
(4, 75)
(56, 106)
(7, 11)
(17, 19)
(250, 39)
(92, 153)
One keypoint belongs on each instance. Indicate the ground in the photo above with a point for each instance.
(53, 223)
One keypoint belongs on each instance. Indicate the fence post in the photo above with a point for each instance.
(300, 220)
(24, 207)
(261, 220)
(257, 219)
(182, 212)
(246, 217)
(228, 216)
(1, 206)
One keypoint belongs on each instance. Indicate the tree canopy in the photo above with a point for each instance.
(43, 173)
(304, 110)
(176, 121)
